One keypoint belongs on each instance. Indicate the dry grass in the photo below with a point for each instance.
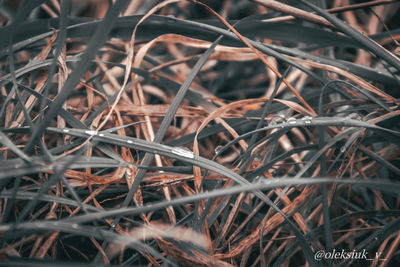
(213, 133)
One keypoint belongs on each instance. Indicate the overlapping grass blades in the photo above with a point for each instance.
(298, 152)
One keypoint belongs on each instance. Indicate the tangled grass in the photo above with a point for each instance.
(215, 133)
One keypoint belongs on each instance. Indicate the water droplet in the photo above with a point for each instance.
(276, 119)
(217, 149)
(291, 120)
(282, 116)
(182, 152)
(354, 116)
(101, 134)
(75, 226)
(129, 141)
(260, 179)
(66, 130)
(343, 149)
(307, 119)
(91, 132)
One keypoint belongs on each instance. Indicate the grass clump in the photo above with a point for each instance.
(215, 133)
